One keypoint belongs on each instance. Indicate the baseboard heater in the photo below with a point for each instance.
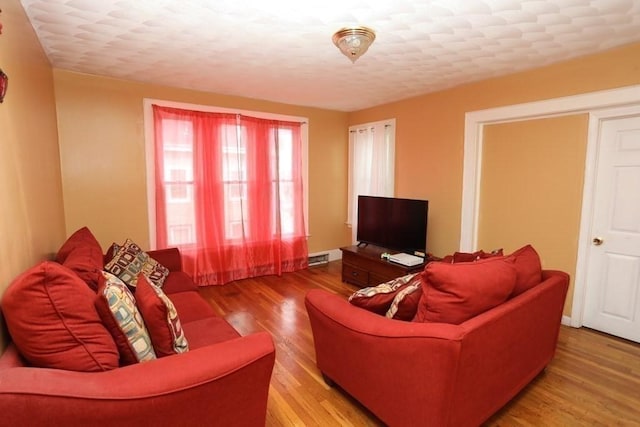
(318, 259)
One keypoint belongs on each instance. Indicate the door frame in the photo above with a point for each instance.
(599, 105)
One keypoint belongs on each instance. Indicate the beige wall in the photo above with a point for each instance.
(430, 128)
(531, 188)
(430, 131)
(101, 130)
(31, 212)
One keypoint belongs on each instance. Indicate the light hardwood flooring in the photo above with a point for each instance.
(594, 380)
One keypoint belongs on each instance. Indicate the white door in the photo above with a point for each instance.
(612, 301)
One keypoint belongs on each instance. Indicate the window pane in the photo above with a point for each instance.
(180, 234)
(285, 153)
(235, 195)
(178, 181)
(287, 212)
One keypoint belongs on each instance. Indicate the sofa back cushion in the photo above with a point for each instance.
(528, 269)
(453, 293)
(53, 322)
(82, 253)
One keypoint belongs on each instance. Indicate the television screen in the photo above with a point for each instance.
(393, 223)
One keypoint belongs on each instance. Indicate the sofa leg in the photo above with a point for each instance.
(328, 380)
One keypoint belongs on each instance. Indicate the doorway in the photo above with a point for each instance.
(612, 280)
(627, 98)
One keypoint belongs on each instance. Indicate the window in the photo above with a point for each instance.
(371, 165)
(229, 187)
(178, 181)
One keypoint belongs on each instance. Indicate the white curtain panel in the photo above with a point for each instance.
(371, 165)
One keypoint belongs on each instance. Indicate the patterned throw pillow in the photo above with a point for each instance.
(130, 260)
(378, 298)
(117, 308)
(161, 319)
(405, 304)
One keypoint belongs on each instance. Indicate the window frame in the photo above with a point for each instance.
(150, 151)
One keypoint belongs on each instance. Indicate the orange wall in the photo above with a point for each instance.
(430, 128)
(31, 211)
(531, 188)
(101, 130)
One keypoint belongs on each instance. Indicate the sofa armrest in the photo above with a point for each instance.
(506, 347)
(169, 257)
(388, 365)
(221, 384)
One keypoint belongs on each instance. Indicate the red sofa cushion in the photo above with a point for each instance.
(207, 331)
(82, 253)
(52, 320)
(453, 293)
(475, 256)
(161, 318)
(178, 281)
(117, 308)
(378, 299)
(81, 238)
(528, 269)
(191, 306)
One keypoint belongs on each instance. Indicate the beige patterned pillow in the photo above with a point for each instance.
(130, 260)
(117, 308)
(405, 304)
(378, 298)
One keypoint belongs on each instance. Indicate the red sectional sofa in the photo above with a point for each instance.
(438, 374)
(222, 380)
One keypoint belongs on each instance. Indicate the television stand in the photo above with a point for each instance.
(364, 266)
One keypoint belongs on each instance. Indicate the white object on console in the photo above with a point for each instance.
(406, 259)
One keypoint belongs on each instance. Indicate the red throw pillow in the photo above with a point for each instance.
(80, 239)
(464, 257)
(453, 293)
(161, 318)
(378, 298)
(475, 256)
(83, 255)
(52, 320)
(528, 269)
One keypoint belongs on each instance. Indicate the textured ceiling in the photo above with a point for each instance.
(282, 50)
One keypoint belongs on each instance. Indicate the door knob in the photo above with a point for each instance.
(597, 241)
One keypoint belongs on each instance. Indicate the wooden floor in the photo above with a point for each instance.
(594, 379)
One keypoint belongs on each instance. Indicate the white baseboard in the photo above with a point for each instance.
(566, 320)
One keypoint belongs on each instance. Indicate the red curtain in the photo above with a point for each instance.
(229, 194)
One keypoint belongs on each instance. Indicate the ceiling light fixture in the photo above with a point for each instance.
(354, 42)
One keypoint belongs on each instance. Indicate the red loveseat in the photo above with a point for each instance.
(438, 374)
(222, 380)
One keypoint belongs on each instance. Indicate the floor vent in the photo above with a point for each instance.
(318, 259)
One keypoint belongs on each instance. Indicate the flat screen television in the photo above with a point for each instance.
(393, 223)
